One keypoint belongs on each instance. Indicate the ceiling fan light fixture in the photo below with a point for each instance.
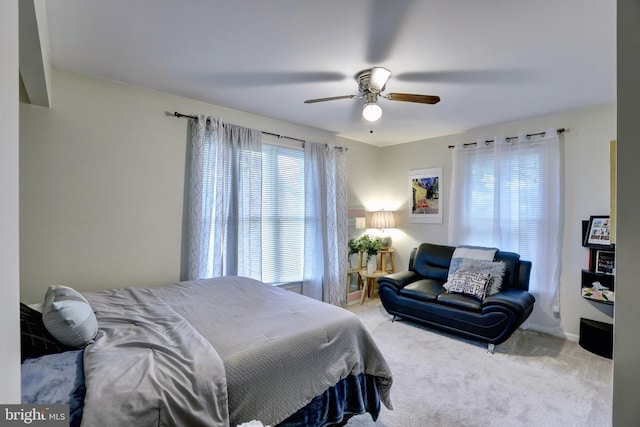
(371, 84)
(371, 112)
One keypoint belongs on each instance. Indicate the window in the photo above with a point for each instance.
(258, 221)
(266, 211)
(507, 195)
(512, 215)
(282, 214)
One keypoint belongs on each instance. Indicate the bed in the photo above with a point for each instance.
(215, 352)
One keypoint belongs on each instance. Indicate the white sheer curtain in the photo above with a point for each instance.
(507, 194)
(325, 249)
(225, 200)
(226, 218)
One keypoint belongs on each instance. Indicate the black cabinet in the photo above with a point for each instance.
(596, 337)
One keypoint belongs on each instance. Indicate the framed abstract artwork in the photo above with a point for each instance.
(425, 189)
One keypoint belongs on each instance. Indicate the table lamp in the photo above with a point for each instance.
(383, 220)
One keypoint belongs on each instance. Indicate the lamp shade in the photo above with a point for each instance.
(383, 220)
(378, 79)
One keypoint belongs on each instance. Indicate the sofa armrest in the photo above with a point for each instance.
(399, 280)
(524, 272)
(516, 300)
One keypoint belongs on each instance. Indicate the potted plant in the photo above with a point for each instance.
(354, 249)
(370, 245)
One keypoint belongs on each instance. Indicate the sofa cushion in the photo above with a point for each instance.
(496, 269)
(512, 261)
(423, 290)
(432, 261)
(461, 301)
(464, 252)
(472, 283)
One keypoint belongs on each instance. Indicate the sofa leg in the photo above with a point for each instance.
(491, 348)
(393, 318)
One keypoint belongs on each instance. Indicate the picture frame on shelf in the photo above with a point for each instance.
(598, 231)
(425, 190)
(605, 262)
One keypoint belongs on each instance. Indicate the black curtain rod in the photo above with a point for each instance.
(509, 138)
(189, 116)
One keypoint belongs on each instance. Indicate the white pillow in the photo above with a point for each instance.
(68, 316)
(463, 252)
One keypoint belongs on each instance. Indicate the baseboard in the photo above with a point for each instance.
(572, 337)
(563, 335)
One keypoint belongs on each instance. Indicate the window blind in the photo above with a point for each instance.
(504, 204)
(282, 214)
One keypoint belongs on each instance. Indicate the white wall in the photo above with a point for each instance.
(626, 351)
(102, 183)
(9, 243)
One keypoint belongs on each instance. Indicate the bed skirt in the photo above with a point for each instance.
(354, 395)
(59, 378)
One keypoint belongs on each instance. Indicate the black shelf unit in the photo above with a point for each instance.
(598, 253)
(595, 336)
(591, 277)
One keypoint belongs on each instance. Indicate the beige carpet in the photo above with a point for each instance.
(532, 379)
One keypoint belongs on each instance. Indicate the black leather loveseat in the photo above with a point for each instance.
(418, 295)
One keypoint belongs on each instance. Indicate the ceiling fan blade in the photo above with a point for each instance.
(332, 98)
(270, 78)
(506, 76)
(386, 22)
(408, 97)
(378, 79)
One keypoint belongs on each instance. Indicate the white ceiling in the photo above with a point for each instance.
(490, 61)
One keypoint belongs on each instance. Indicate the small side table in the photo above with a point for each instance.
(383, 260)
(369, 282)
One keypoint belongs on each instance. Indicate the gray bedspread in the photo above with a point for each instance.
(149, 367)
(278, 350)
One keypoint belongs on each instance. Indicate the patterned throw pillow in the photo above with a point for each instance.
(470, 283)
(495, 268)
(464, 252)
(36, 341)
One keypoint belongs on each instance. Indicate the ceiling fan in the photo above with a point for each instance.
(371, 83)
